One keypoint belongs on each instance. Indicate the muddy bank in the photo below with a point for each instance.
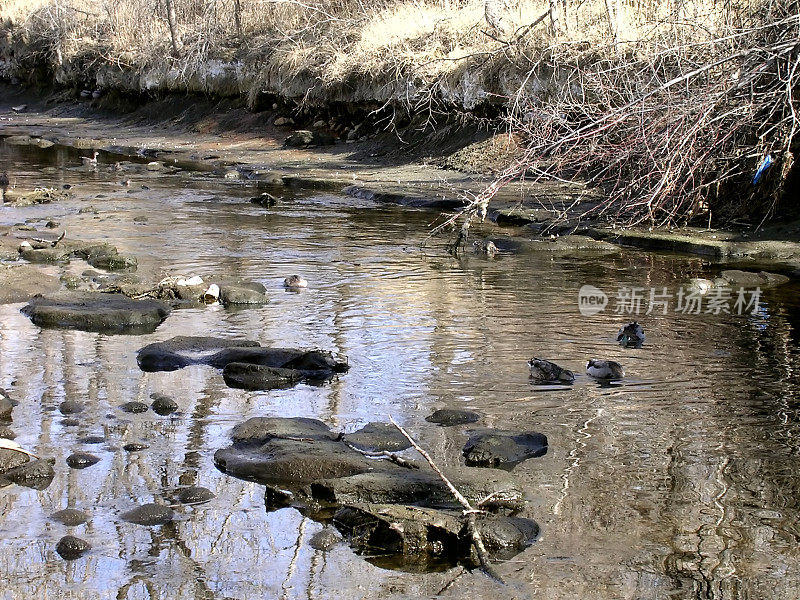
(247, 149)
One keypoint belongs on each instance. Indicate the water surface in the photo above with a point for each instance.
(679, 483)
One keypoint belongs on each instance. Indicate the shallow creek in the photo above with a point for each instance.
(682, 481)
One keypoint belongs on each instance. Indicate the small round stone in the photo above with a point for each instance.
(195, 495)
(163, 405)
(70, 547)
(134, 407)
(81, 460)
(70, 407)
(324, 540)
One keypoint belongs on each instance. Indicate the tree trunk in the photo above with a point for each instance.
(237, 17)
(172, 19)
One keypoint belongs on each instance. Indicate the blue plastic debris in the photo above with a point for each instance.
(762, 168)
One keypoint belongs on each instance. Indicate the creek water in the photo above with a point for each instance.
(679, 482)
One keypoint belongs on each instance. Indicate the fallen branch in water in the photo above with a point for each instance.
(384, 454)
(469, 513)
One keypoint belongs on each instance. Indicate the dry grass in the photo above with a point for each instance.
(588, 95)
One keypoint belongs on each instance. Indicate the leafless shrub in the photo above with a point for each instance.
(672, 128)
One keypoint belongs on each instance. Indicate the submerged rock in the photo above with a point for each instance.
(503, 449)
(416, 535)
(448, 417)
(247, 376)
(70, 517)
(149, 514)
(245, 363)
(70, 547)
(423, 488)
(195, 495)
(182, 351)
(91, 311)
(750, 279)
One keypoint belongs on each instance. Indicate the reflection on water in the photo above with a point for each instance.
(681, 482)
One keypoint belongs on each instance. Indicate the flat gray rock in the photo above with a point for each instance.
(378, 437)
(448, 417)
(91, 311)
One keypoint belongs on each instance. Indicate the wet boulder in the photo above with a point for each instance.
(44, 255)
(11, 459)
(304, 138)
(259, 430)
(291, 463)
(503, 449)
(37, 196)
(36, 474)
(378, 437)
(324, 540)
(91, 311)
(411, 536)
(71, 407)
(6, 407)
(182, 351)
(289, 453)
(448, 417)
(106, 256)
(389, 485)
(245, 363)
(242, 293)
(135, 447)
